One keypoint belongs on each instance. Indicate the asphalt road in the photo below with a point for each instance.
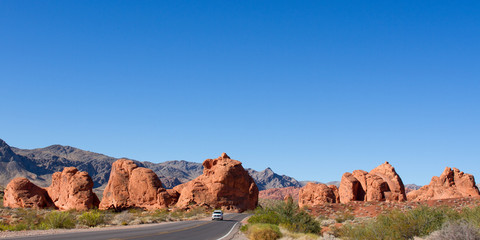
(185, 230)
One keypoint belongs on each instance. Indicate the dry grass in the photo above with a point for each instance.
(30, 219)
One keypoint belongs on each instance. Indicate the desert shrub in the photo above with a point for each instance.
(289, 216)
(302, 222)
(196, 212)
(58, 219)
(14, 227)
(401, 225)
(266, 215)
(263, 231)
(344, 217)
(471, 215)
(160, 215)
(123, 218)
(92, 218)
(456, 230)
(177, 214)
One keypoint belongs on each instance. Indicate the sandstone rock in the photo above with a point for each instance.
(317, 194)
(132, 186)
(350, 189)
(72, 189)
(381, 184)
(21, 193)
(451, 184)
(224, 184)
(394, 190)
(335, 191)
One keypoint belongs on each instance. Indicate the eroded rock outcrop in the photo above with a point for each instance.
(21, 193)
(452, 183)
(224, 184)
(132, 186)
(72, 189)
(317, 194)
(380, 184)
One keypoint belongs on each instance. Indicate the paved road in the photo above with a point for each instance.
(185, 230)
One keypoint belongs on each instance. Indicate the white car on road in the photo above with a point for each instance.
(217, 215)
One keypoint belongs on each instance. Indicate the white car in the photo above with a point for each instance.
(217, 215)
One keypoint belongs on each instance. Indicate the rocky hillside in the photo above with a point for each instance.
(267, 179)
(39, 164)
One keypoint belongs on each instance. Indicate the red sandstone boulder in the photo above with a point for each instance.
(72, 189)
(392, 186)
(21, 193)
(451, 184)
(381, 184)
(132, 186)
(317, 194)
(351, 189)
(224, 184)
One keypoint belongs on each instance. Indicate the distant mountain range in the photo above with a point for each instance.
(39, 164)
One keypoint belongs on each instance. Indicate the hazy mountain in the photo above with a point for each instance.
(412, 186)
(39, 164)
(267, 179)
(13, 165)
(54, 158)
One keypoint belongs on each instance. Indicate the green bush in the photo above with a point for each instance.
(471, 215)
(58, 219)
(263, 231)
(92, 218)
(289, 216)
(269, 216)
(14, 227)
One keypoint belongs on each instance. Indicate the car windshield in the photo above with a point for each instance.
(217, 211)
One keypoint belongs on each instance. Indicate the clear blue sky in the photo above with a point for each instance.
(311, 89)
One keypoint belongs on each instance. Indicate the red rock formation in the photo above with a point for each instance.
(279, 193)
(21, 193)
(133, 186)
(351, 189)
(381, 184)
(451, 184)
(392, 185)
(72, 189)
(317, 194)
(335, 192)
(224, 184)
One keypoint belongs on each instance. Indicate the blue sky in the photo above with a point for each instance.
(311, 89)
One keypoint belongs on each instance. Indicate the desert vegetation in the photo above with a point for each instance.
(17, 219)
(278, 219)
(419, 222)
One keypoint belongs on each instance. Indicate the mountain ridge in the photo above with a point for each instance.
(39, 164)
